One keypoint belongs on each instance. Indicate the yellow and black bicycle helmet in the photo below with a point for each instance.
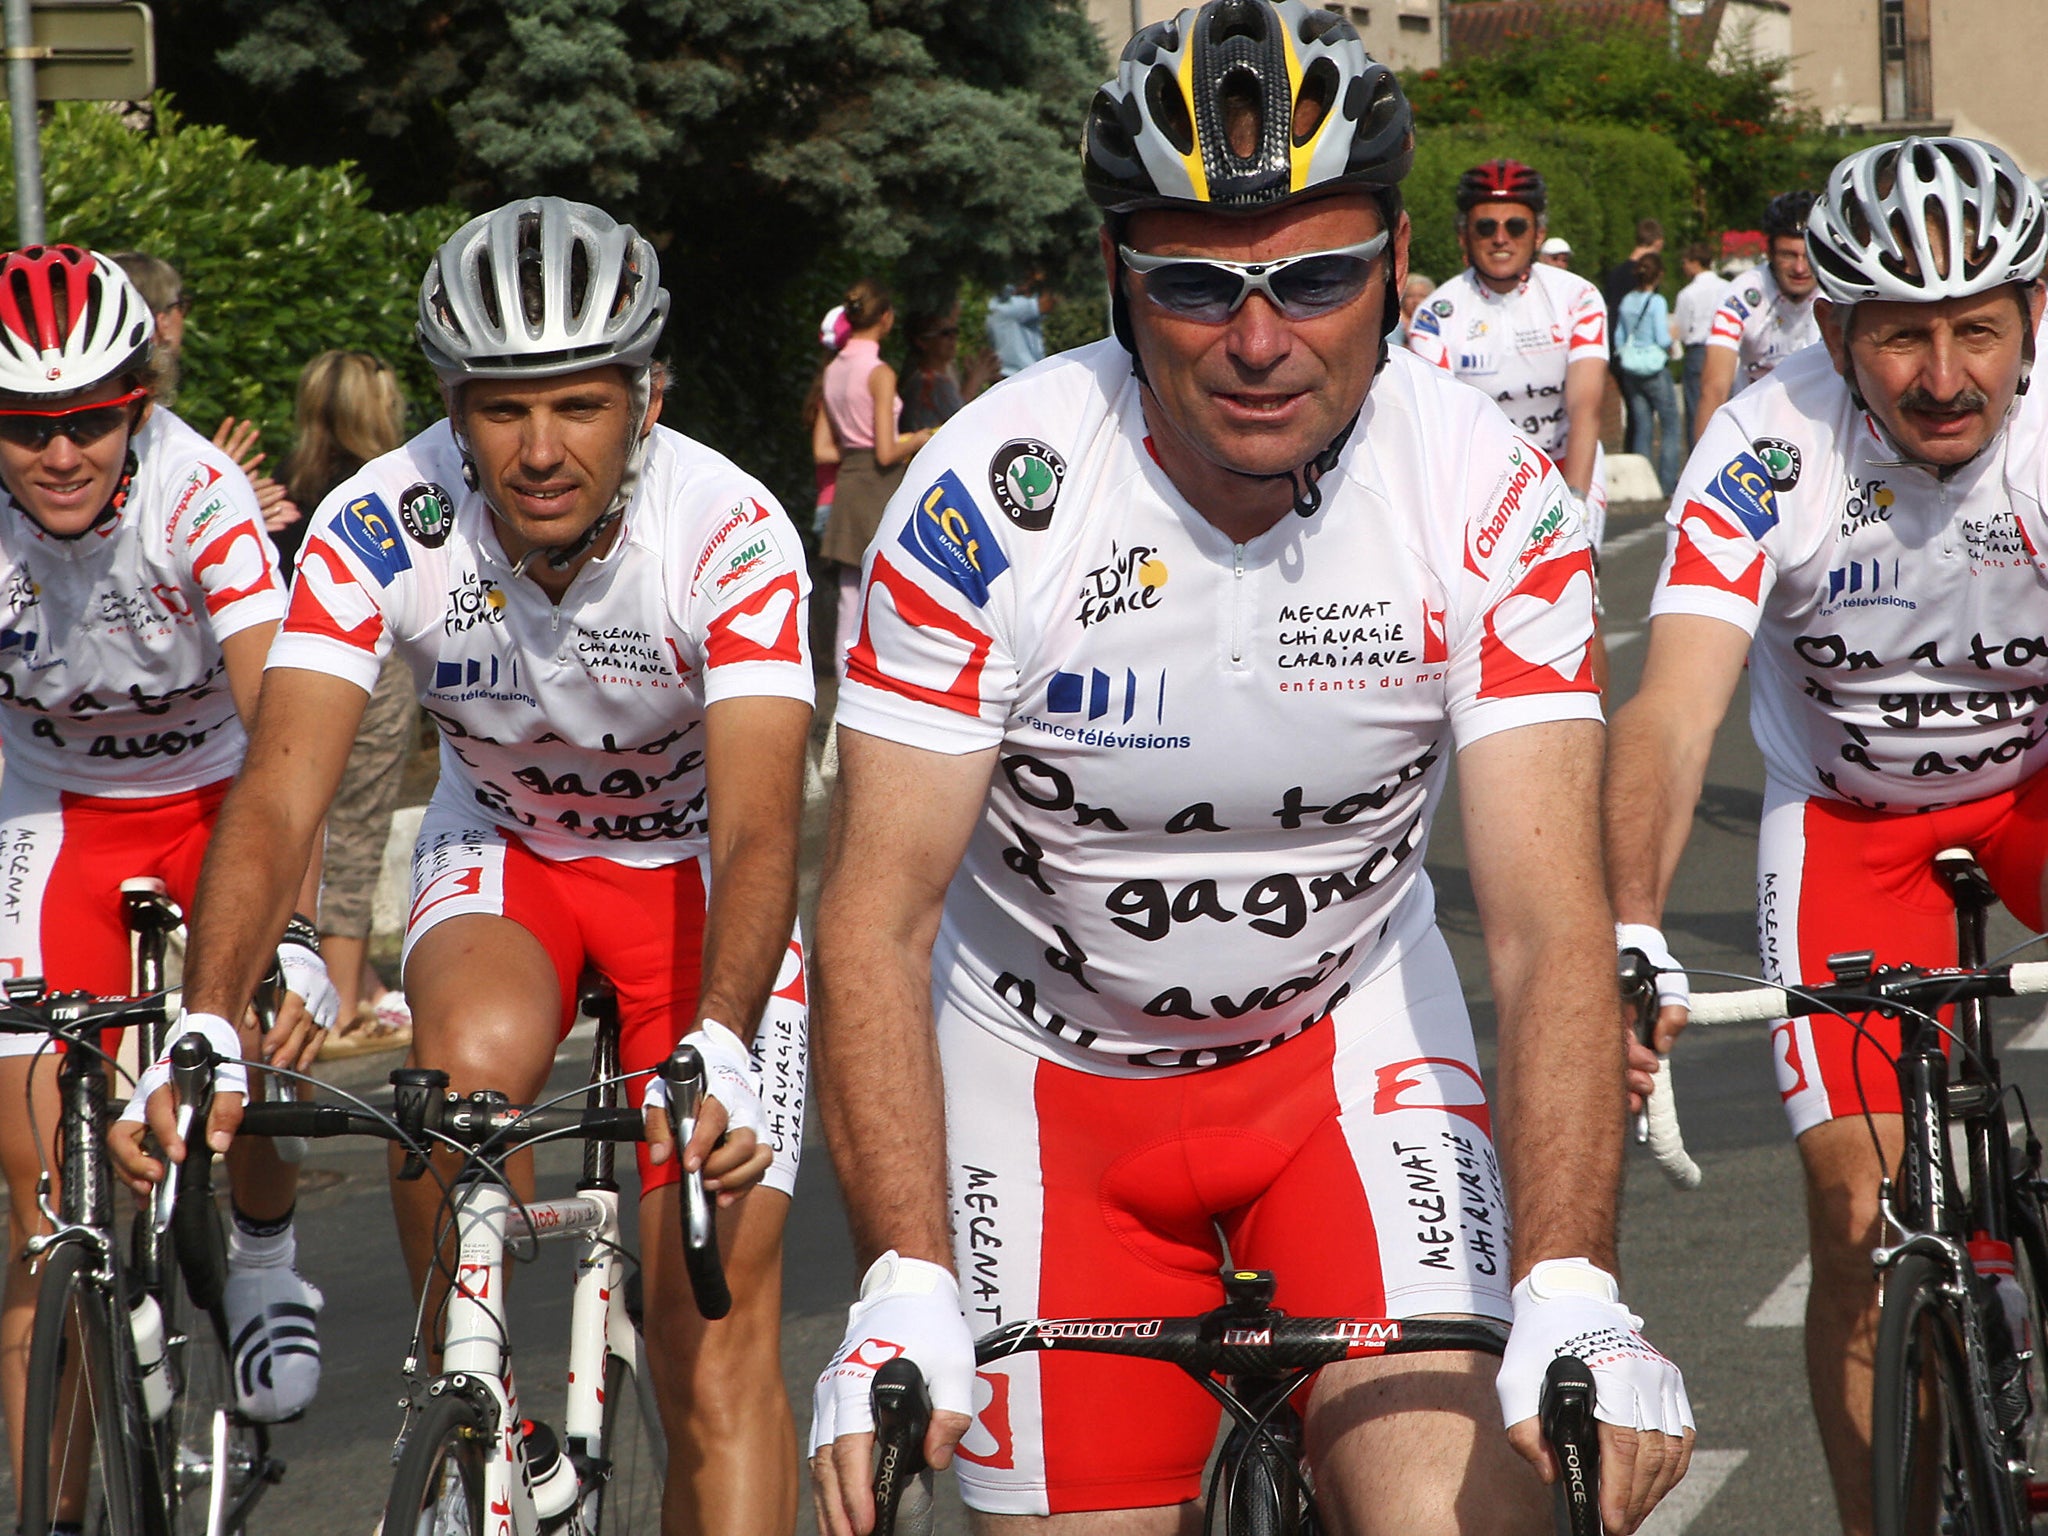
(1326, 114)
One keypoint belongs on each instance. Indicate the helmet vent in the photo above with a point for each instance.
(1312, 107)
(1241, 104)
(1169, 109)
(487, 291)
(579, 279)
(1237, 18)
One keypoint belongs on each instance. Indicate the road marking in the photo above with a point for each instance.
(1703, 1479)
(1632, 538)
(1616, 639)
(1786, 1306)
(2033, 1038)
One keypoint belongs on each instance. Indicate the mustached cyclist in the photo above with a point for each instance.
(138, 595)
(1864, 530)
(606, 621)
(1125, 942)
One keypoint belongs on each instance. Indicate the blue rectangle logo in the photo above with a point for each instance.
(367, 527)
(1744, 487)
(951, 538)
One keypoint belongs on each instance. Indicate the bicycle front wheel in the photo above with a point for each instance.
(212, 1458)
(628, 1498)
(83, 1429)
(1932, 1452)
(438, 1489)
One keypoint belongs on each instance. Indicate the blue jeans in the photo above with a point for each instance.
(1695, 370)
(1653, 401)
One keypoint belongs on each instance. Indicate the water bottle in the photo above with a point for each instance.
(549, 1475)
(146, 1322)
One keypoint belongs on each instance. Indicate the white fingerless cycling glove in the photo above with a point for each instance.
(1674, 988)
(306, 974)
(906, 1307)
(1573, 1307)
(229, 1076)
(730, 1077)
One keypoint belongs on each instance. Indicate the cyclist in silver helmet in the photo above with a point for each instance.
(607, 622)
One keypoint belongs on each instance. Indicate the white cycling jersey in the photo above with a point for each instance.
(578, 726)
(1215, 764)
(1899, 658)
(110, 666)
(1761, 326)
(1516, 346)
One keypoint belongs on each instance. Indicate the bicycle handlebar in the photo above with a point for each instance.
(480, 1122)
(1660, 1110)
(1903, 987)
(1566, 1414)
(903, 1484)
(28, 1010)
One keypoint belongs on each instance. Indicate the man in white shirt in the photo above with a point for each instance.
(1692, 318)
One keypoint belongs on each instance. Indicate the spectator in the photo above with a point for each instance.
(164, 291)
(832, 333)
(861, 406)
(1555, 252)
(1618, 284)
(1413, 292)
(1692, 318)
(932, 390)
(349, 412)
(1016, 325)
(1642, 341)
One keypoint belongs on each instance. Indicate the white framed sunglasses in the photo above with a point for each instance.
(1300, 287)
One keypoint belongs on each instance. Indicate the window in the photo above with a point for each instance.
(1414, 23)
(1361, 16)
(1906, 65)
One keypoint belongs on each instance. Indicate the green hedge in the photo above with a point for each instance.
(279, 262)
(1601, 181)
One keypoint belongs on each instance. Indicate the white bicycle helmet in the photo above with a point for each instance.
(540, 287)
(1926, 219)
(69, 319)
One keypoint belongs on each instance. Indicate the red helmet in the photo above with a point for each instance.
(1501, 181)
(68, 320)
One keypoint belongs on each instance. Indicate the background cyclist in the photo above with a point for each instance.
(138, 594)
(1766, 316)
(1132, 988)
(1862, 529)
(607, 622)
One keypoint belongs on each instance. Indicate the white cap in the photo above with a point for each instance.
(1556, 245)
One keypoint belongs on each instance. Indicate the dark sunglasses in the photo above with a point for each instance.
(83, 424)
(1300, 287)
(1486, 228)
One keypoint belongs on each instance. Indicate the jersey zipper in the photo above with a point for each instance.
(1237, 606)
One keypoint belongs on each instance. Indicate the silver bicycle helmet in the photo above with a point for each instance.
(1926, 219)
(539, 287)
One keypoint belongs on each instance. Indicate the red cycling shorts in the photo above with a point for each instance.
(642, 929)
(62, 860)
(1355, 1161)
(1834, 878)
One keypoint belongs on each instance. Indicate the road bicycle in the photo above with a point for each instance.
(1252, 1358)
(130, 1426)
(1960, 1415)
(466, 1460)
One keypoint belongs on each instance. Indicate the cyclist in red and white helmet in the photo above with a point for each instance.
(1864, 530)
(138, 595)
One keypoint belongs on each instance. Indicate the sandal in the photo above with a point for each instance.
(385, 1025)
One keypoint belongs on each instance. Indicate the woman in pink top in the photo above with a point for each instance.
(861, 406)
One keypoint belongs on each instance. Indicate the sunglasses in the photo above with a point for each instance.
(1300, 287)
(83, 424)
(1485, 229)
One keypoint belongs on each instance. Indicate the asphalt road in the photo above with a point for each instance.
(1715, 1272)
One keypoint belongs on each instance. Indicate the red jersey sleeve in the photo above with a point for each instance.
(1718, 559)
(1587, 324)
(929, 668)
(1522, 654)
(216, 532)
(748, 605)
(336, 622)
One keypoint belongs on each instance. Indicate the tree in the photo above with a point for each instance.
(772, 149)
(280, 262)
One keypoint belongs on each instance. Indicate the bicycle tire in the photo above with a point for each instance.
(628, 1498)
(1261, 1496)
(1920, 1349)
(438, 1489)
(203, 1374)
(83, 1423)
(2030, 1264)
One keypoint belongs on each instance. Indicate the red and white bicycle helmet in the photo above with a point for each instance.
(1921, 220)
(69, 319)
